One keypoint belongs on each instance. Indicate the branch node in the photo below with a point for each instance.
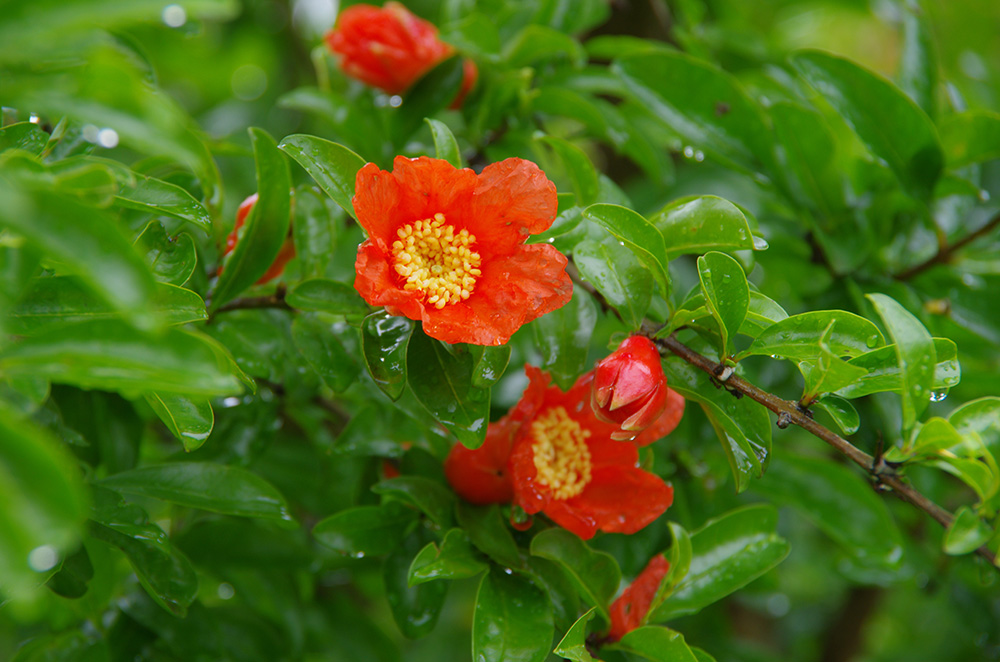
(784, 420)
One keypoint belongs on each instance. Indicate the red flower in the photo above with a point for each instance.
(667, 421)
(285, 253)
(390, 48)
(631, 608)
(565, 464)
(480, 476)
(630, 390)
(446, 246)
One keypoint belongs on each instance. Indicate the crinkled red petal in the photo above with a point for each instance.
(513, 199)
(623, 499)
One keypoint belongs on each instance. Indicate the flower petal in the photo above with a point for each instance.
(623, 499)
(667, 421)
(431, 186)
(377, 200)
(513, 199)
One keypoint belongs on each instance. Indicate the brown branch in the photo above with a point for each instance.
(945, 253)
(276, 300)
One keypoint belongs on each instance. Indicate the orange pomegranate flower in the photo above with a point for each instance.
(565, 464)
(390, 48)
(631, 608)
(285, 253)
(446, 246)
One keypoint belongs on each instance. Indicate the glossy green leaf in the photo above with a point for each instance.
(563, 338)
(728, 553)
(52, 302)
(699, 224)
(384, 339)
(512, 621)
(797, 338)
(705, 105)
(890, 123)
(679, 557)
(980, 417)
(582, 173)
(827, 372)
(455, 559)
(219, 488)
(571, 16)
(618, 275)
(327, 296)
(429, 496)
(841, 503)
(316, 226)
(489, 533)
(573, 645)
(266, 225)
(537, 43)
(365, 530)
(657, 644)
(490, 364)
(171, 259)
(841, 411)
(981, 477)
(971, 137)
(596, 575)
(918, 67)
(638, 234)
(727, 294)
(966, 533)
(442, 382)
(325, 353)
(884, 374)
(334, 167)
(935, 434)
(112, 356)
(565, 102)
(915, 355)
(162, 198)
(74, 575)
(373, 431)
(445, 145)
(189, 419)
(762, 312)
(42, 502)
(23, 135)
(414, 608)
(433, 92)
(809, 151)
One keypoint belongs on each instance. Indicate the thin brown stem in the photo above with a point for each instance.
(276, 300)
(945, 252)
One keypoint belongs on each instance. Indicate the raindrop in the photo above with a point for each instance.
(174, 16)
(395, 101)
(759, 243)
(938, 396)
(230, 402)
(872, 341)
(226, 591)
(699, 156)
(43, 558)
(359, 555)
(33, 118)
(107, 138)
(984, 195)
(689, 152)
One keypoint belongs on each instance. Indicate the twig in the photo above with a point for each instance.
(276, 300)
(946, 252)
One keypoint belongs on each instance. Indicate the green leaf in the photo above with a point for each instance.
(695, 225)
(978, 475)
(884, 373)
(456, 559)
(537, 43)
(429, 496)
(42, 502)
(809, 150)
(827, 372)
(23, 135)
(582, 173)
(918, 67)
(487, 531)
(841, 411)
(327, 296)
(432, 92)
(74, 575)
(573, 645)
(655, 643)
(934, 435)
(334, 167)
(445, 145)
(762, 312)
(841, 503)
(266, 226)
(512, 621)
(887, 121)
(728, 553)
(637, 234)
(618, 275)
(966, 533)
(316, 225)
(971, 137)
(490, 363)
(596, 575)
(156, 196)
(112, 356)
(797, 338)
(705, 105)
(442, 383)
(914, 354)
(365, 530)
(325, 353)
(980, 418)
(414, 608)
(189, 419)
(679, 557)
(218, 488)
(571, 16)
(172, 260)
(727, 294)
(563, 338)
(384, 339)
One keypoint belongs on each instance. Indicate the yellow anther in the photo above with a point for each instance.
(562, 459)
(436, 261)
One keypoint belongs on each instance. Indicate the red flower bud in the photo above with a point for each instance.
(481, 476)
(631, 608)
(630, 390)
(285, 254)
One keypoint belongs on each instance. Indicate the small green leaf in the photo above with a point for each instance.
(918, 67)
(366, 530)
(74, 575)
(727, 294)
(980, 417)
(563, 338)
(537, 43)
(638, 234)
(189, 419)
(884, 374)
(582, 173)
(384, 339)
(23, 135)
(218, 488)
(432, 92)
(442, 383)
(827, 372)
(696, 225)
(573, 645)
(429, 496)
(798, 337)
(490, 363)
(934, 435)
(977, 474)
(172, 260)
(841, 411)
(679, 557)
(334, 167)
(657, 644)
(915, 356)
(487, 531)
(325, 353)
(266, 226)
(596, 575)
(618, 275)
(967, 532)
(456, 559)
(327, 296)
(414, 608)
(512, 621)
(155, 196)
(445, 145)
(971, 137)
(316, 226)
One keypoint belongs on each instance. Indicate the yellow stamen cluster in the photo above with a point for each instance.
(436, 261)
(562, 458)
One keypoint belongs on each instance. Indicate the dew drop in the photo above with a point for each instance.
(226, 591)
(395, 101)
(43, 558)
(230, 402)
(984, 195)
(689, 152)
(938, 396)
(699, 156)
(174, 16)
(871, 341)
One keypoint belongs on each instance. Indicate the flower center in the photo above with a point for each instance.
(436, 261)
(562, 458)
